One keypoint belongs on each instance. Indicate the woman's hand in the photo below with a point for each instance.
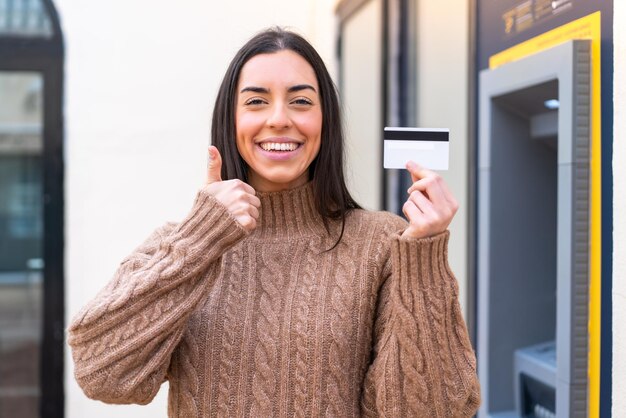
(238, 197)
(430, 206)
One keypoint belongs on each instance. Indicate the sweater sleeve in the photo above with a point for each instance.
(423, 364)
(122, 340)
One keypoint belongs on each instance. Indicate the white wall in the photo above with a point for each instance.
(442, 91)
(141, 78)
(619, 211)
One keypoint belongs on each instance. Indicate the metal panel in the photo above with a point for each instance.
(502, 160)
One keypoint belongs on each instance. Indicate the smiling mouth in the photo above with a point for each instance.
(279, 146)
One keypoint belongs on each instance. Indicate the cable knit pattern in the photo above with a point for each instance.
(268, 329)
(271, 324)
(341, 327)
(302, 328)
(425, 284)
(189, 355)
(228, 353)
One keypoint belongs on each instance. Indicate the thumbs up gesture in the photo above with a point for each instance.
(430, 206)
(238, 197)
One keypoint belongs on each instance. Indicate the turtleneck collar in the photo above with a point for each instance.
(288, 214)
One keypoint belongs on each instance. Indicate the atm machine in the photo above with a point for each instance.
(533, 234)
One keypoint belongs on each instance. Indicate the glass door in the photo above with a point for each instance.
(21, 242)
(362, 95)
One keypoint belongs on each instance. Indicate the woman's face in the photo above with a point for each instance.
(278, 120)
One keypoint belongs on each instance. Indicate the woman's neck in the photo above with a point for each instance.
(289, 214)
(261, 184)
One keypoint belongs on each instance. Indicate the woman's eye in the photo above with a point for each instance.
(253, 102)
(302, 101)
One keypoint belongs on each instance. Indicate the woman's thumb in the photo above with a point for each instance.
(214, 172)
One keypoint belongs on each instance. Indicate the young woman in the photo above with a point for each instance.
(277, 295)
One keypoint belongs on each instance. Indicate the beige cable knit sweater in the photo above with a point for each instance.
(269, 324)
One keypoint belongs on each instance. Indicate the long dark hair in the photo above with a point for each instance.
(331, 195)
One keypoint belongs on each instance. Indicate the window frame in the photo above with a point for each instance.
(397, 88)
(46, 56)
(344, 11)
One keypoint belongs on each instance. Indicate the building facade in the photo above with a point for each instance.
(105, 114)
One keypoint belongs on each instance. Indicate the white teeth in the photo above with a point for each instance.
(279, 146)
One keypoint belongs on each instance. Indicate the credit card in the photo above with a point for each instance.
(429, 147)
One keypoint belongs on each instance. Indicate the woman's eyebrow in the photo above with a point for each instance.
(255, 89)
(292, 89)
(299, 87)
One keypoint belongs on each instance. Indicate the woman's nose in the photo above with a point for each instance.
(279, 118)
